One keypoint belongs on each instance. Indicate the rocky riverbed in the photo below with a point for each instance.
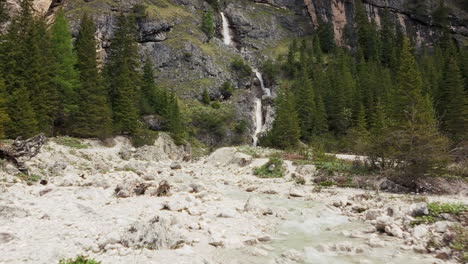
(102, 202)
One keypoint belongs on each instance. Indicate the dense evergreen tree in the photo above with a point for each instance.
(28, 66)
(327, 36)
(175, 120)
(4, 118)
(151, 98)
(66, 76)
(362, 27)
(305, 103)
(387, 38)
(22, 117)
(40, 76)
(285, 132)
(452, 102)
(208, 25)
(94, 115)
(121, 76)
(417, 142)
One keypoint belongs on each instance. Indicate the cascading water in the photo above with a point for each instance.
(258, 115)
(227, 36)
(267, 91)
(258, 119)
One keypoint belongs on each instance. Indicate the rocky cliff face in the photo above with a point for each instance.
(418, 23)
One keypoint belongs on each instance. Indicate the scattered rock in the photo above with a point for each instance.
(6, 237)
(272, 167)
(251, 189)
(381, 222)
(442, 226)
(419, 209)
(443, 254)
(264, 239)
(257, 252)
(196, 187)
(176, 166)
(253, 205)
(375, 242)
(295, 192)
(227, 213)
(394, 230)
(390, 186)
(420, 231)
(155, 233)
(373, 214)
(250, 242)
(164, 189)
(293, 255)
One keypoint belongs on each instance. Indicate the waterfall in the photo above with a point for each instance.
(266, 91)
(227, 36)
(258, 115)
(258, 120)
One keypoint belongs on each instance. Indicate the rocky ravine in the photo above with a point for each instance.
(100, 201)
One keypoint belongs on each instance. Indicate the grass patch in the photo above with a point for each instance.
(29, 179)
(70, 142)
(326, 183)
(460, 243)
(435, 209)
(79, 260)
(265, 171)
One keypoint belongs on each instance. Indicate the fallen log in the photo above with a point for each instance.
(22, 150)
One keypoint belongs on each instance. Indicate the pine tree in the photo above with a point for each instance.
(387, 38)
(121, 76)
(317, 49)
(40, 76)
(94, 115)
(4, 118)
(285, 131)
(327, 36)
(409, 85)
(28, 65)
(321, 123)
(306, 108)
(175, 120)
(150, 95)
(66, 76)
(416, 139)
(453, 103)
(23, 121)
(362, 28)
(208, 25)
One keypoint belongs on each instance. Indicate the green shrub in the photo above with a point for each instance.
(242, 68)
(227, 89)
(70, 142)
(143, 137)
(326, 183)
(215, 105)
(79, 260)
(265, 172)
